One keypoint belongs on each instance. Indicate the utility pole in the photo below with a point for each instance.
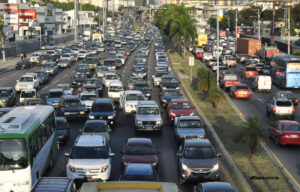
(258, 23)
(218, 44)
(273, 24)
(113, 11)
(289, 29)
(3, 47)
(236, 23)
(103, 14)
(76, 20)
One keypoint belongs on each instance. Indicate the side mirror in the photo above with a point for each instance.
(179, 154)
(111, 154)
(67, 154)
(219, 154)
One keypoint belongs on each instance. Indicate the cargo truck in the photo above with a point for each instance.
(248, 46)
(268, 52)
(132, 186)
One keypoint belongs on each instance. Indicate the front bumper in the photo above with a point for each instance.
(199, 175)
(74, 115)
(148, 127)
(89, 174)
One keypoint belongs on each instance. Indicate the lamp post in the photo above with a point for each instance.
(258, 23)
(218, 44)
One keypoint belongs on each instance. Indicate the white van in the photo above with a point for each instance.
(262, 83)
(28, 94)
(114, 89)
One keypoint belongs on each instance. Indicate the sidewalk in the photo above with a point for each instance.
(11, 62)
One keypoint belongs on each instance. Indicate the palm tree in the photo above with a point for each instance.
(215, 95)
(251, 133)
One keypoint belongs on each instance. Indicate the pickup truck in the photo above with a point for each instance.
(59, 184)
(132, 186)
(229, 80)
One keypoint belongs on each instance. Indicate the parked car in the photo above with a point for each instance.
(7, 97)
(62, 130)
(285, 132)
(197, 160)
(90, 152)
(139, 172)
(97, 127)
(139, 150)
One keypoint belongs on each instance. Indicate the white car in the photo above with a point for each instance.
(83, 53)
(129, 100)
(114, 88)
(90, 158)
(35, 57)
(28, 94)
(87, 99)
(67, 56)
(108, 77)
(27, 81)
(121, 57)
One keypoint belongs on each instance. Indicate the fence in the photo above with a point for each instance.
(29, 45)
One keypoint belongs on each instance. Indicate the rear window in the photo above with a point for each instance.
(251, 69)
(290, 127)
(230, 78)
(283, 103)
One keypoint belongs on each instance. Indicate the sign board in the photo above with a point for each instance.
(49, 27)
(50, 15)
(23, 24)
(8, 32)
(27, 14)
(11, 8)
(96, 36)
(191, 61)
(10, 19)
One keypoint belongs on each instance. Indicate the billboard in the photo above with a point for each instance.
(11, 19)
(11, 8)
(11, 14)
(27, 14)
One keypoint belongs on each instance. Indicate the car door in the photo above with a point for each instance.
(277, 130)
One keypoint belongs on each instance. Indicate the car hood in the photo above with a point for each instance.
(87, 102)
(78, 79)
(199, 163)
(53, 99)
(72, 109)
(48, 68)
(3, 98)
(190, 131)
(148, 117)
(135, 103)
(25, 83)
(181, 111)
(88, 163)
(139, 158)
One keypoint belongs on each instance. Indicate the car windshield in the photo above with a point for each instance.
(134, 97)
(190, 124)
(181, 106)
(13, 154)
(83, 67)
(95, 152)
(26, 79)
(60, 125)
(159, 74)
(290, 127)
(4, 93)
(102, 69)
(230, 78)
(138, 178)
(115, 88)
(139, 69)
(148, 111)
(66, 55)
(72, 103)
(55, 94)
(139, 149)
(94, 128)
(89, 89)
(102, 107)
(244, 87)
(27, 94)
(111, 77)
(80, 76)
(199, 152)
(251, 69)
(141, 87)
(286, 95)
(171, 93)
(170, 80)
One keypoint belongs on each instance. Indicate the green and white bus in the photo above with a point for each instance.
(28, 144)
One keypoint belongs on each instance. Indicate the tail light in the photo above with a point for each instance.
(293, 109)
(274, 109)
(236, 92)
(296, 100)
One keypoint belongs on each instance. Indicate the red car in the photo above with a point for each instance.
(179, 107)
(139, 150)
(250, 72)
(240, 91)
(285, 132)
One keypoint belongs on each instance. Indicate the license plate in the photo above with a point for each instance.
(149, 127)
(294, 136)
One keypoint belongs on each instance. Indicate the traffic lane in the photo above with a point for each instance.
(288, 155)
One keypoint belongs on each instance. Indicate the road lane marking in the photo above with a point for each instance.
(65, 76)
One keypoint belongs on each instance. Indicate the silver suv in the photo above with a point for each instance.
(280, 107)
(148, 117)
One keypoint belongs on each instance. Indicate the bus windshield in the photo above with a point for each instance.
(13, 154)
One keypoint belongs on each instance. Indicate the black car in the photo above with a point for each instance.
(214, 186)
(24, 64)
(70, 107)
(144, 87)
(62, 129)
(55, 58)
(169, 81)
(104, 108)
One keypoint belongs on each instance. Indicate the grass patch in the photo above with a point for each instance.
(226, 123)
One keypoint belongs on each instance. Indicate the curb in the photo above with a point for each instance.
(236, 174)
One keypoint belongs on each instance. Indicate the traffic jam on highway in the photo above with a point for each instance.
(106, 111)
(261, 81)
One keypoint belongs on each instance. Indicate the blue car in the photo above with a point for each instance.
(96, 82)
(53, 97)
(139, 172)
(84, 68)
(78, 79)
(168, 94)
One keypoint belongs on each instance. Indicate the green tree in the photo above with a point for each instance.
(250, 134)
(206, 79)
(212, 22)
(215, 95)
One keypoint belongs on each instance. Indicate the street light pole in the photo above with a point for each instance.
(289, 29)
(103, 4)
(218, 42)
(258, 23)
(76, 20)
(236, 23)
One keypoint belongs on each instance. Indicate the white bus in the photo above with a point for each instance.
(28, 144)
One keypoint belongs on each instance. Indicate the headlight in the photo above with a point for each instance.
(4, 100)
(184, 167)
(110, 117)
(159, 122)
(82, 112)
(154, 164)
(21, 183)
(91, 117)
(139, 122)
(148, 94)
(215, 167)
(72, 168)
(164, 100)
(66, 113)
(173, 114)
(104, 168)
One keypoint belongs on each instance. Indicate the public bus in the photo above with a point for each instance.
(285, 71)
(28, 143)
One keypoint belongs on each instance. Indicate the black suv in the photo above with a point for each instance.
(70, 107)
(103, 108)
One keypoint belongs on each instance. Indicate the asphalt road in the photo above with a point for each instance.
(166, 142)
(256, 106)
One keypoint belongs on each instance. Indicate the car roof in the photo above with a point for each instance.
(218, 187)
(135, 140)
(56, 90)
(197, 142)
(90, 140)
(102, 100)
(95, 121)
(189, 118)
(287, 122)
(5, 88)
(67, 97)
(148, 103)
(115, 83)
(139, 169)
(61, 118)
(88, 93)
(128, 92)
(89, 85)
